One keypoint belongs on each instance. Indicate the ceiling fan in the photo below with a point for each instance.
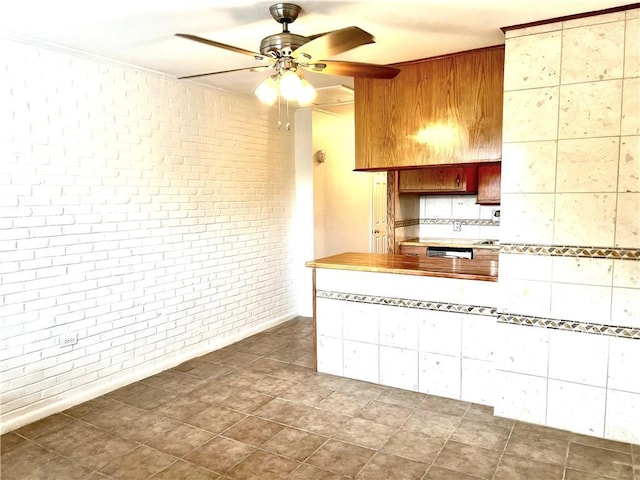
(289, 53)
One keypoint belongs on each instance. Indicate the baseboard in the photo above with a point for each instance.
(26, 415)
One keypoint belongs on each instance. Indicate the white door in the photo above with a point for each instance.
(379, 213)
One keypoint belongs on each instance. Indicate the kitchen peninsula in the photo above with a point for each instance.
(416, 323)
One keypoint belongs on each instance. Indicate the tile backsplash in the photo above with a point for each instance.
(437, 214)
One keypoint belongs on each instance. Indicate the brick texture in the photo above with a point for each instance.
(148, 216)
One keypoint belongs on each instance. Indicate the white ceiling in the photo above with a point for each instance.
(140, 32)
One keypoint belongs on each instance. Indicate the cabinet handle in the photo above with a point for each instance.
(376, 231)
(458, 181)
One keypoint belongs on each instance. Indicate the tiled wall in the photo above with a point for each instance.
(570, 182)
(147, 216)
(433, 335)
(437, 213)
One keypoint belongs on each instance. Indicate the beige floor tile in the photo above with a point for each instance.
(384, 466)
(182, 470)
(472, 432)
(181, 408)
(404, 398)
(253, 431)
(215, 419)
(443, 405)
(541, 447)
(279, 410)
(173, 381)
(220, 454)
(439, 473)
(571, 474)
(180, 440)
(139, 463)
(306, 394)
(263, 465)
(431, 423)
(142, 396)
(308, 472)
(468, 459)
(345, 403)
(319, 421)
(342, 458)
(518, 468)
(10, 440)
(599, 461)
(98, 451)
(414, 445)
(365, 433)
(145, 427)
(601, 443)
(385, 413)
(246, 401)
(294, 443)
(24, 460)
(46, 425)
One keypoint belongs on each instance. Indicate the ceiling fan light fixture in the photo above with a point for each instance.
(267, 92)
(290, 85)
(307, 94)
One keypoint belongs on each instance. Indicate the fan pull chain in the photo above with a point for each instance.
(288, 123)
(279, 111)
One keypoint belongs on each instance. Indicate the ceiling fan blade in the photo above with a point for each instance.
(334, 42)
(213, 43)
(353, 69)
(253, 69)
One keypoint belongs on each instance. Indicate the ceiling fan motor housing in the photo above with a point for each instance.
(281, 44)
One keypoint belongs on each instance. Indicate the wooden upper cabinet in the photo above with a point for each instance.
(437, 111)
(489, 184)
(434, 180)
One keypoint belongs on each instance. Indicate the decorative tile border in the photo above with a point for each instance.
(513, 319)
(583, 327)
(445, 221)
(407, 303)
(571, 251)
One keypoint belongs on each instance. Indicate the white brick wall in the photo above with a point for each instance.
(149, 216)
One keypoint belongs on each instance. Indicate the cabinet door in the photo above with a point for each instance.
(489, 184)
(436, 111)
(435, 180)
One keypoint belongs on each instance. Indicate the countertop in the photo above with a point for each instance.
(486, 270)
(451, 242)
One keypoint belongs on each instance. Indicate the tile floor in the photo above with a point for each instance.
(257, 410)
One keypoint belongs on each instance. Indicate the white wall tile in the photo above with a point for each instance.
(578, 357)
(624, 364)
(628, 220)
(398, 327)
(329, 317)
(527, 218)
(582, 270)
(532, 115)
(593, 52)
(440, 332)
(626, 274)
(399, 368)
(525, 297)
(585, 219)
(587, 165)
(528, 167)
(623, 417)
(583, 303)
(525, 267)
(480, 293)
(478, 382)
(575, 407)
(522, 349)
(465, 206)
(329, 355)
(629, 164)
(478, 337)
(632, 48)
(440, 375)
(361, 361)
(593, 20)
(532, 61)
(523, 397)
(625, 307)
(590, 109)
(360, 322)
(630, 107)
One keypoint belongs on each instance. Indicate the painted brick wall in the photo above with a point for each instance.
(150, 217)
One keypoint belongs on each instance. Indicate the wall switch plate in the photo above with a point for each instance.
(68, 339)
(457, 225)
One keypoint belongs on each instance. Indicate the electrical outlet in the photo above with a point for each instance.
(457, 225)
(68, 339)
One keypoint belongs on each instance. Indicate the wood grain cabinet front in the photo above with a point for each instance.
(489, 176)
(438, 180)
(437, 111)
